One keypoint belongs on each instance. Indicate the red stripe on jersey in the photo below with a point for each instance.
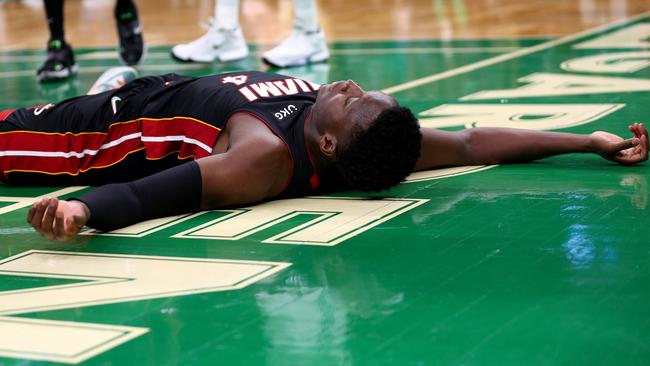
(68, 153)
(314, 181)
(187, 136)
(4, 114)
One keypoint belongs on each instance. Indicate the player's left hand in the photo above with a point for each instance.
(631, 151)
(58, 220)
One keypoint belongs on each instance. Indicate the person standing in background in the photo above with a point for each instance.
(225, 42)
(60, 62)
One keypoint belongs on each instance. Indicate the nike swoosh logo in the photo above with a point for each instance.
(39, 110)
(114, 101)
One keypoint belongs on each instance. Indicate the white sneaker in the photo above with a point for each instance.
(113, 78)
(217, 44)
(299, 48)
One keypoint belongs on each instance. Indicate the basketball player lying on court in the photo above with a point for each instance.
(168, 145)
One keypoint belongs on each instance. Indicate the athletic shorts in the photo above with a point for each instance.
(87, 140)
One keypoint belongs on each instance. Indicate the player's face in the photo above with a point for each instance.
(343, 105)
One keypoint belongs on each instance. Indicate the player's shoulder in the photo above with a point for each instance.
(261, 152)
(251, 129)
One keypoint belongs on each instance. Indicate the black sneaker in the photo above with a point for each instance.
(59, 63)
(129, 32)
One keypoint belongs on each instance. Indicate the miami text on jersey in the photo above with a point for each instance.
(266, 89)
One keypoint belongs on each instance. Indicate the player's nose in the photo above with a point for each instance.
(350, 87)
(338, 86)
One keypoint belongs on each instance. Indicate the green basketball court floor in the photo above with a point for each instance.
(545, 263)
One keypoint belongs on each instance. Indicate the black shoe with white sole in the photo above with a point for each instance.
(129, 31)
(59, 63)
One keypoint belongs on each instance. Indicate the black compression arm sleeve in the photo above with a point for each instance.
(173, 191)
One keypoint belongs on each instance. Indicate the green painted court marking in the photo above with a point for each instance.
(10, 283)
(510, 56)
(516, 265)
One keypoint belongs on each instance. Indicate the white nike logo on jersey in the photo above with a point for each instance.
(39, 110)
(114, 101)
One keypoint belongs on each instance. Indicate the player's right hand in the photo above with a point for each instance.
(58, 220)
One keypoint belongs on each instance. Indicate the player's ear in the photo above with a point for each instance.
(327, 145)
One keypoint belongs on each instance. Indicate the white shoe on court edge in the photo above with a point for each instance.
(113, 78)
(217, 44)
(300, 48)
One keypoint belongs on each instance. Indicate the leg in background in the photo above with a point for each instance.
(223, 42)
(129, 31)
(59, 62)
(305, 45)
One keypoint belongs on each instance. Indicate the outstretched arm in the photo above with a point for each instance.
(256, 167)
(481, 146)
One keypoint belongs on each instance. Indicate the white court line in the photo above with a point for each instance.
(508, 56)
(100, 69)
(22, 202)
(15, 199)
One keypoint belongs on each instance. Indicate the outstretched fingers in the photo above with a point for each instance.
(641, 127)
(635, 149)
(638, 129)
(641, 133)
(644, 139)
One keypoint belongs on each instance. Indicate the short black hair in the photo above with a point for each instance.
(382, 155)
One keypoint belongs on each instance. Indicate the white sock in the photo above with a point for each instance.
(306, 15)
(226, 12)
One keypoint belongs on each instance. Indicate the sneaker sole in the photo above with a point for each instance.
(106, 81)
(57, 75)
(233, 55)
(317, 57)
(189, 59)
(223, 57)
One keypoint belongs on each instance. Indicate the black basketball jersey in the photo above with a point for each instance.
(283, 103)
(151, 124)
